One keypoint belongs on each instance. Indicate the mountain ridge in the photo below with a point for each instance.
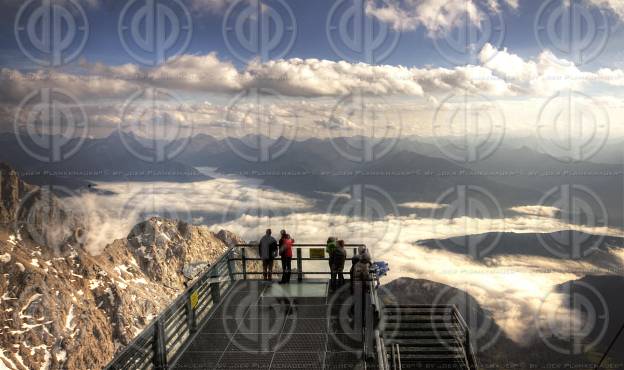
(64, 308)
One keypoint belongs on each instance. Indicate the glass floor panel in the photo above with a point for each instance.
(304, 289)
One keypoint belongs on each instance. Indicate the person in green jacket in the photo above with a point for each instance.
(330, 248)
(331, 245)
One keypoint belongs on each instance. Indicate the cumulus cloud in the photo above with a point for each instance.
(187, 72)
(323, 77)
(438, 17)
(544, 211)
(545, 75)
(313, 88)
(16, 85)
(617, 6)
(423, 205)
(500, 74)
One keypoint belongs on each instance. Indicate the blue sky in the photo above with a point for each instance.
(515, 72)
(415, 47)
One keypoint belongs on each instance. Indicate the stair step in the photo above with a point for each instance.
(390, 305)
(431, 357)
(418, 318)
(418, 309)
(400, 326)
(440, 350)
(424, 336)
(423, 342)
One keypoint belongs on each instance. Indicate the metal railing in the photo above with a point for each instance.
(248, 252)
(161, 344)
(466, 346)
(396, 356)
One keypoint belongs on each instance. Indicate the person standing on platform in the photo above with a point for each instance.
(267, 249)
(286, 252)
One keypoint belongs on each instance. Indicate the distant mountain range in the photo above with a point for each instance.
(568, 245)
(414, 170)
(106, 159)
(418, 171)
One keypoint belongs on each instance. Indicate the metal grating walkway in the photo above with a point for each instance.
(254, 330)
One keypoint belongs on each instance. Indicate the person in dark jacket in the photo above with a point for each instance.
(337, 261)
(354, 261)
(267, 249)
(360, 265)
(330, 247)
(286, 252)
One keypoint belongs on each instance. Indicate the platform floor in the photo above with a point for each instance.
(262, 325)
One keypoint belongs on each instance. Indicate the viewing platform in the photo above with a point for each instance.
(229, 319)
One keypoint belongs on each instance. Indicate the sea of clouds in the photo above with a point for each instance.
(518, 290)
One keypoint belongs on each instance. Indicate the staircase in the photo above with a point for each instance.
(426, 337)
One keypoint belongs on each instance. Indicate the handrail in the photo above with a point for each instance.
(161, 342)
(297, 258)
(298, 245)
(606, 353)
(469, 355)
(396, 356)
(382, 358)
(372, 333)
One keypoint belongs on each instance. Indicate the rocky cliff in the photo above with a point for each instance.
(12, 191)
(72, 310)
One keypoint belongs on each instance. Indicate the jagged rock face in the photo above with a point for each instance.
(38, 212)
(229, 238)
(74, 310)
(12, 189)
(164, 247)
